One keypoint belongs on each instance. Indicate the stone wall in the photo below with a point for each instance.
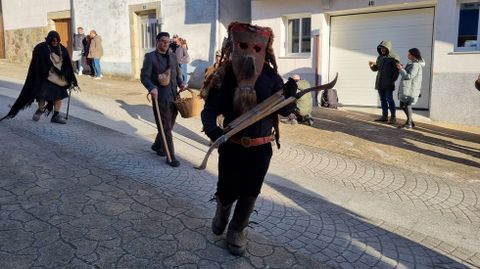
(19, 43)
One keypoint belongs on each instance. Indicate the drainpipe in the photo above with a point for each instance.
(72, 15)
(217, 28)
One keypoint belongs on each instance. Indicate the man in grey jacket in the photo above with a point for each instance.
(78, 50)
(161, 75)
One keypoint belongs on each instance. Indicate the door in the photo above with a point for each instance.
(63, 27)
(148, 29)
(353, 42)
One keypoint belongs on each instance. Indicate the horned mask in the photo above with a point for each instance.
(249, 44)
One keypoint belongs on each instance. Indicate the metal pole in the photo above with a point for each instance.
(68, 103)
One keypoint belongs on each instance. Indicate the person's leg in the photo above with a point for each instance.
(391, 106)
(384, 104)
(184, 73)
(92, 69)
(39, 111)
(236, 236)
(96, 66)
(168, 114)
(158, 144)
(80, 65)
(56, 118)
(410, 114)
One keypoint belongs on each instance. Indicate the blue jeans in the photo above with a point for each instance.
(387, 102)
(97, 67)
(184, 73)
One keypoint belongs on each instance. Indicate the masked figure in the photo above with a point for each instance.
(49, 76)
(245, 76)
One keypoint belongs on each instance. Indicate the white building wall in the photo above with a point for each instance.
(453, 96)
(272, 14)
(19, 14)
(193, 20)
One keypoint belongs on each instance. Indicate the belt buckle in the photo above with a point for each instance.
(245, 141)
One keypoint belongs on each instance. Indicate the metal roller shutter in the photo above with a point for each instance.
(353, 42)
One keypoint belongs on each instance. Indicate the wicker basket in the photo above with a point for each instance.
(189, 107)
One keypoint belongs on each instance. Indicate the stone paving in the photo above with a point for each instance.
(300, 212)
(69, 201)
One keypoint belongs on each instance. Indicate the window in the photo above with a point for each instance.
(468, 27)
(298, 35)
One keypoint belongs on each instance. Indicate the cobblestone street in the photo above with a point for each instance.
(91, 194)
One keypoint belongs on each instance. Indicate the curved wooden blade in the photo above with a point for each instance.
(216, 144)
(256, 115)
(329, 85)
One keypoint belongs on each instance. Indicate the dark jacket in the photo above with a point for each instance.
(37, 73)
(78, 42)
(477, 84)
(153, 64)
(385, 66)
(220, 102)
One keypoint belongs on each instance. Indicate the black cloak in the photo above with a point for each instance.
(37, 73)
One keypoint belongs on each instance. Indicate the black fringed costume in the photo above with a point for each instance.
(36, 86)
(242, 170)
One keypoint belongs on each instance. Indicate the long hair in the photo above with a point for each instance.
(53, 35)
(416, 53)
(216, 78)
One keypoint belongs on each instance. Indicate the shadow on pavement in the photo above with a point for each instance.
(145, 112)
(341, 238)
(330, 233)
(361, 125)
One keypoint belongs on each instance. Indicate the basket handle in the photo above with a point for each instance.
(187, 89)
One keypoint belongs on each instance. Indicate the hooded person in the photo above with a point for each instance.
(246, 75)
(387, 74)
(50, 75)
(477, 83)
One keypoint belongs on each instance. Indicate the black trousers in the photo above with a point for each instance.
(169, 113)
(241, 170)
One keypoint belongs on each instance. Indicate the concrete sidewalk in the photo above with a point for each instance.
(349, 192)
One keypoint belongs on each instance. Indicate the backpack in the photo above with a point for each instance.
(329, 98)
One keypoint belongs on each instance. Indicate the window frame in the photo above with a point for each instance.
(301, 17)
(467, 49)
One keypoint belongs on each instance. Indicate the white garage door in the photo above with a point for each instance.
(354, 40)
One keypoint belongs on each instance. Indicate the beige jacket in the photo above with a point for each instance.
(96, 48)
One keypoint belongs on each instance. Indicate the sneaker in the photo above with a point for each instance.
(97, 78)
(310, 122)
(58, 119)
(174, 163)
(405, 126)
(392, 120)
(293, 121)
(37, 115)
(381, 119)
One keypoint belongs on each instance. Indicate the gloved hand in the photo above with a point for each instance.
(290, 88)
(215, 133)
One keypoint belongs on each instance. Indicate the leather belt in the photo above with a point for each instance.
(247, 142)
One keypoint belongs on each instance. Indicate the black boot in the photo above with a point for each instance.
(222, 214)
(236, 234)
